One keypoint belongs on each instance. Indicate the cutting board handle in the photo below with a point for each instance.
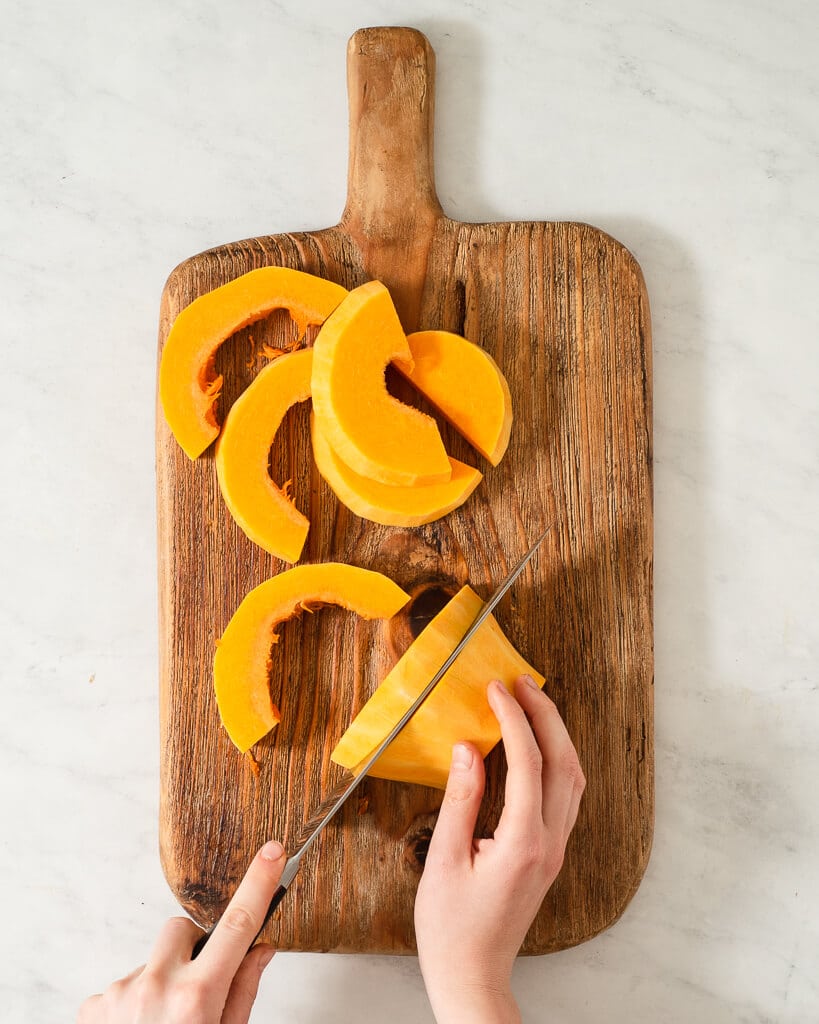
(390, 180)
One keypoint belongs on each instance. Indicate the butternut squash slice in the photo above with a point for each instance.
(466, 385)
(188, 385)
(242, 663)
(457, 709)
(385, 503)
(263, 510)
(372, 432)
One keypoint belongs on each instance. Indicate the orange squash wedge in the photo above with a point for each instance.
(243, 656)
(385, 503)
(188, 385)
(373, 433)
(263, 510)
(457, 709)
(466, 385)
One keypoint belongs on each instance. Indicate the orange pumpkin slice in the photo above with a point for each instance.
(243, 656)
(372, 432)
(384, 503)
(188, 385)
(262, 509)
(457, 709)
(466, 385)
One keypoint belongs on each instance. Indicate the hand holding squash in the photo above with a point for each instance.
(220, 986)
(478, 897)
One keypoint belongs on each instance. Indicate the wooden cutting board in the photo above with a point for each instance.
(563, 309)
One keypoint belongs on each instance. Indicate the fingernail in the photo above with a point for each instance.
(499, 689)
(530, 681)
(272, 850)
(265, 958)
(462, 756)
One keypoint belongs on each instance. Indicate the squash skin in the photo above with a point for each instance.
(373, 433)
(456, 710)
(188, 386)
(466, 385)
(262, 509)
(243, 655)
(385, 503)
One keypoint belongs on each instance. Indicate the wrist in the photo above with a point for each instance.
(458, 1003)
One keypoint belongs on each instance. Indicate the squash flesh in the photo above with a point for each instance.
(243, 657)
(188, 385)
(467, 387)
(373, 433)
(259, 506)
(456, 710)
(385, 503)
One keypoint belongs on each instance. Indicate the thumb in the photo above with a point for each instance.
(455, 828)
(245, 985)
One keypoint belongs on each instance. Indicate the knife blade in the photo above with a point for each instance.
(293, 862)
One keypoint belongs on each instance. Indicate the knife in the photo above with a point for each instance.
(293, 862)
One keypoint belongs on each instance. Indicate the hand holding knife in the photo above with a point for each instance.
(294, 861)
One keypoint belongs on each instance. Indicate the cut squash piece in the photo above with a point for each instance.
(241, 667)
(373, 433)
(188, 385)
(456, 710)
(465, 385)
(263, 510)
(385, 503)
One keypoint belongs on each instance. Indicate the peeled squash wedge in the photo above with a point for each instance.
(456, 710)
(466, 385)
(373, 433)
(387, 504)
(242, 663)
(262, 509)
(188, 385)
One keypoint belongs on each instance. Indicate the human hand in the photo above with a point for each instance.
(220, 986)
(478, 897)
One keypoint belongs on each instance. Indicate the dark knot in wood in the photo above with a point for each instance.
(427, 599)
(416, 847)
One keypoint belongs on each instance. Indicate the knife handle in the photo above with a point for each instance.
(278, 896)
(200, 944)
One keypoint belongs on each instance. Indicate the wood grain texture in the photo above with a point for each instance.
(562, 307)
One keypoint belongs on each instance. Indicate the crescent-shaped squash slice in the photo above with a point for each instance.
(243, 656)
(188, 385)
(262, 509)
(375, 434)
(466, 385)
(385, 503)
(457, 709)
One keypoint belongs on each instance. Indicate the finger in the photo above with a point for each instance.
(135, 973)
(245, 985)
(175, 942)
(241, 921)
(574, 806)
(451, 840)
(561, 766)
(89, 1011)
(97, 1008)
(524, 794)
(117, 997)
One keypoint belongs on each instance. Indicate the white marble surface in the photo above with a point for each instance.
(137, 134)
